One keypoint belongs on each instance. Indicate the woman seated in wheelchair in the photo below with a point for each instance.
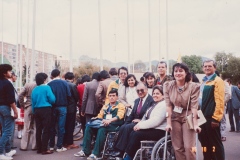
(151, 127)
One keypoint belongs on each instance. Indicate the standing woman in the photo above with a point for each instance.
(129, 93)
(42, 100)
(150, 82)
(177, 93)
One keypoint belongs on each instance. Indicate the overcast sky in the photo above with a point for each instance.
(200, 27)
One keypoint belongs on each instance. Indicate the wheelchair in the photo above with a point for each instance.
(152, 150)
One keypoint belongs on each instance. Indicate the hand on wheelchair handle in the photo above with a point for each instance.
(197, 129)
(168, 128)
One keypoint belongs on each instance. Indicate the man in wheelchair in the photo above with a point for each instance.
(108, 120)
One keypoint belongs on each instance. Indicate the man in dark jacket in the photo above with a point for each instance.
(141, 105)
(90, 107)
(62, 93)
(71, 112)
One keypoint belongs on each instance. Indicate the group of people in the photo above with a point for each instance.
(115, 101)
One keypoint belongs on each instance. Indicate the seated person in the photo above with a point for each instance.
(151, 127)
(112, 115)
(141, 104)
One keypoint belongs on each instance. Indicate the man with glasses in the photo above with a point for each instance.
(141, 105)
(118, 84)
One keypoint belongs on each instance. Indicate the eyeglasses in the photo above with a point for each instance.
(140, 90)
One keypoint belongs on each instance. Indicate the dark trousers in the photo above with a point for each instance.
(123, 136)
(232, 111)
(69, 128)
(43, 124)
(210, 139)
(144, 134)
(83, 122)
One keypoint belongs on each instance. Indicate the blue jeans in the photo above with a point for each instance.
(59, 118)
(7, 122)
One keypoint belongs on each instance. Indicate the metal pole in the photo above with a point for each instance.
(167, 57)
(159, 10)
(149, 37)
(100, 34)
(17, 48)
(21, 54)
(33, 43)
(70, 54)
(2, 31)
(27, 57)
(128, 45)
(133, 36)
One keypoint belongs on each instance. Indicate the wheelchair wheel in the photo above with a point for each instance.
(77, 133)
(158, 150)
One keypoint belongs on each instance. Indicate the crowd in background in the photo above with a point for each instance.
(116, 101)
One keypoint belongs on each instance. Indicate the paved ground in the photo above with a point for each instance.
(232, 151)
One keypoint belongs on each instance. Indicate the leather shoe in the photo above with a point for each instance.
(13, 147)
(231, 130)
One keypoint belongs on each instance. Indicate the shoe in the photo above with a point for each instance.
(80, 154)
(61, 149)
(51, 149)
(11, 153)
(92, 156)
(13, 147)
(22, 149)
(3, 157)
(47, 152)
(232, 130)
(237, 131)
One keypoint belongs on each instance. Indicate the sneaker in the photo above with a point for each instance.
(3, 157)
(80, 154)
(92, 156)
(61, 149)
(51, 149)
(11, 153)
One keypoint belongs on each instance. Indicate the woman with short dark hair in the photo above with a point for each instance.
(181, 97)
(129, 94)
(42, 100)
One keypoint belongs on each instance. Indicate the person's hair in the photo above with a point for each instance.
(113, 72)
(113, 91)
(4, 68)
(78, 81)
(150, 74)
(40, 78)
(85, 78)
(144, 74)
(163, 62)
(126, 80)
(104, 74)
(185, 68)
(141, 83)
(142, 79)
(123, 68)
(69, 75)
(158, 87)
(55, 73)
(96, 76)
(209, 60)
(194, 78)
(229, 80)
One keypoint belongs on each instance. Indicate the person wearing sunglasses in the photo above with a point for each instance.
(151, 127)
(141, 105)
